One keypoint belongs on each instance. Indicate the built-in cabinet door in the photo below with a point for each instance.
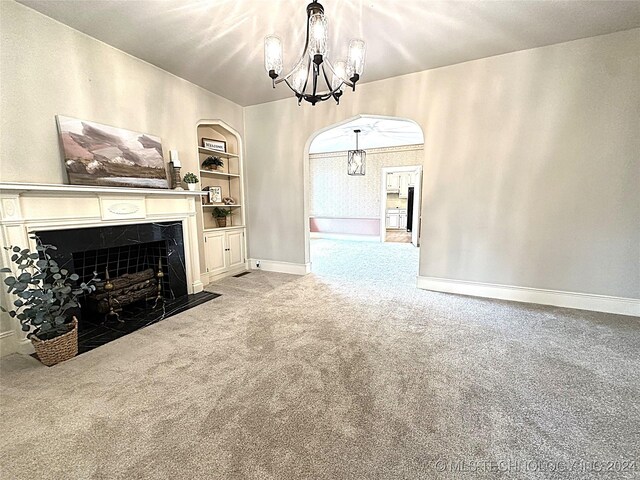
(389, 181)
(393, 181)
(393, 221)
(215, 252)
(235, 247)
(403, 221)
(406, 179)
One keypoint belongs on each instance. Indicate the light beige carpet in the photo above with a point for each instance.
(349, 373)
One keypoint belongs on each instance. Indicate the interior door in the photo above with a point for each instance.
(417, 204)
(235, 246)
(214, 252)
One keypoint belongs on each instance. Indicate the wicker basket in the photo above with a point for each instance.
(221, 221)
(57, 349)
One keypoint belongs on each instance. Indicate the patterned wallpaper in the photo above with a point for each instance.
(336, 194)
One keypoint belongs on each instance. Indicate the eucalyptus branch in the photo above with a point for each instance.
(44, 291)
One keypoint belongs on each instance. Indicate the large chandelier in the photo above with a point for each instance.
(356, 159)
(309, 72)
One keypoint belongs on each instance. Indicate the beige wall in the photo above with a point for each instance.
(49, 69)
(531, 166)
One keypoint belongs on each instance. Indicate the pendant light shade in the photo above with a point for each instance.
(273, 54)
(356, 163)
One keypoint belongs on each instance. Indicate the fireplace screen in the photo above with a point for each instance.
(129, 274)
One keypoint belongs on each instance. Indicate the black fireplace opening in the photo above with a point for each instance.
(145, 267)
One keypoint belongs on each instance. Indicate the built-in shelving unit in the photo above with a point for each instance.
(217, 153)
(224, 247)
(221, 205)
(218, 173)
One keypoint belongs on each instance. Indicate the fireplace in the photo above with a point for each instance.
(83, 218)
(146, 264)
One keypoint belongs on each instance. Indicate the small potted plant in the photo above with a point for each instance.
(212, 163)
(221, 214)
(46, 297)
(191, 180)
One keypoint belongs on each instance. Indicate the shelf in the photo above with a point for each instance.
(221, 174)
(217, 153)
(215, 229)
(219, 205)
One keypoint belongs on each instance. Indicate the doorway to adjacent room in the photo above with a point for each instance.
(400, 204)
(380, 205)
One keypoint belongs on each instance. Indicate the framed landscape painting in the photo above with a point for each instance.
(96, 154)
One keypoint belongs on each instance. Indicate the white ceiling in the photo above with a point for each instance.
(376, 132)
(218, 44)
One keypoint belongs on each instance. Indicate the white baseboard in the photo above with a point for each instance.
(7, 343)
(207, 278)
(346, 236)
(582, 301)
(281, 267)
(197, 286)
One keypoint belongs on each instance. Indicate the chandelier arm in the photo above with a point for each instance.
(289, 85)
(302, 57)
(317, 98)
(326, 79)
(345, 82)
(315, 79)
(306, 80)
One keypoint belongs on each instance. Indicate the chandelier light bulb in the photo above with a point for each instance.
(299, 77)
(355, 60)
(318, 35)
(339, 74)
(273, 57)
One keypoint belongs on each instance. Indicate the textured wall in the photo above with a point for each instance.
(333, 193)
(531, 166)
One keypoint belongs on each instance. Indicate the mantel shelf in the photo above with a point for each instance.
(89, 189)
(217, 153)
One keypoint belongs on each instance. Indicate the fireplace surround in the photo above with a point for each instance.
(125, 216)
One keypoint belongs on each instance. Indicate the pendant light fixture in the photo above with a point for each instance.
(356, 159)
(314, 68)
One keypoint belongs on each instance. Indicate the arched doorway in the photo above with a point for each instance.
(354, 209)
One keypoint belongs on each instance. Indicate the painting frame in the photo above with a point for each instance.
(96, 154)
(215, 145)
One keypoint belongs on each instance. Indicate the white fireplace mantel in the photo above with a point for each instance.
(30, 207)
(54, 188)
